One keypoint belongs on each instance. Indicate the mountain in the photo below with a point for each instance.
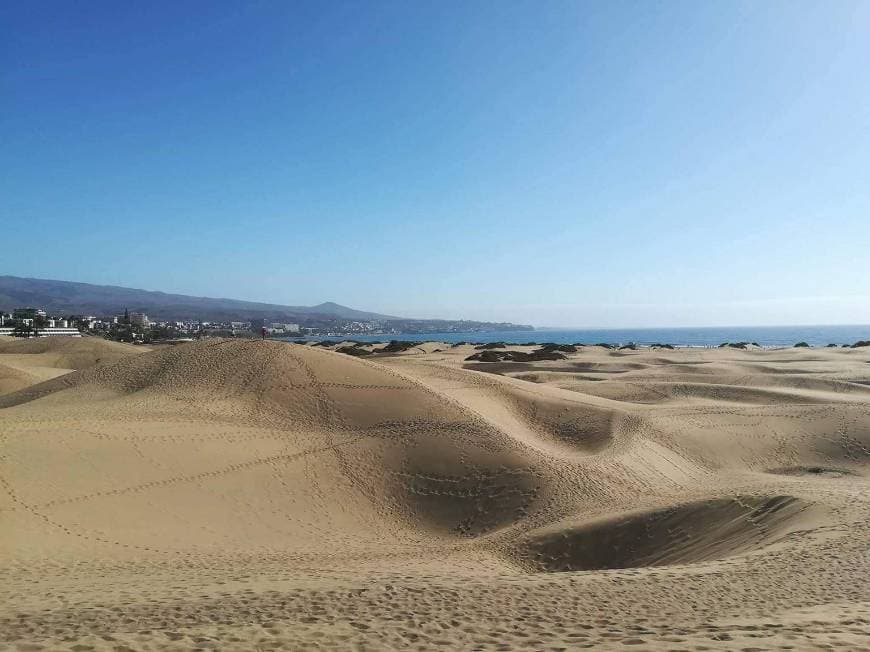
(66, 297)
(343, 312)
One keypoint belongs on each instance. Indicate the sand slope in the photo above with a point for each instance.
(258, 494)
(25, 362)
(69, 352)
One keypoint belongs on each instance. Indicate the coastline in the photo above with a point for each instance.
(683, 337)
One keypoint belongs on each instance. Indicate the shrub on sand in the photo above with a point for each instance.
(397, 346)
(564, 348)
(515, 356)
(353, 350)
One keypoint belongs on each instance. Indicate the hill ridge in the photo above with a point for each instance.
(89, 298)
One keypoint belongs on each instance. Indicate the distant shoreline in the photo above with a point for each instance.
(683, 337)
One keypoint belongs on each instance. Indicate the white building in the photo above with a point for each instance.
(59, 332)
(139, 319)
(285, 328)
(46, 332)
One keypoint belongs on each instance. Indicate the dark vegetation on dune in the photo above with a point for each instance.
(515, 356)
(397, 346)
(547, 350)
(544, 346)
(564, 348)
(353, 350)
(488, 356)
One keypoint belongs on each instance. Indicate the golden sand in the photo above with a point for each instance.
(242, 495)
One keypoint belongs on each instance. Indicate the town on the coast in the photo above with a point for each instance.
(31, 307)
(132, 326)
(137, 327)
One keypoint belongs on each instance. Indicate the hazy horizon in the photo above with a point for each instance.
(542, 326)
(611, 165)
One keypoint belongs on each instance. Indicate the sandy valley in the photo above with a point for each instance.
(240, 495)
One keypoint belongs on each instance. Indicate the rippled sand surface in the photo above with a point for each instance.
(240, 495)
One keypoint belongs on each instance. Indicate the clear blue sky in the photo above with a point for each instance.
(570, 164)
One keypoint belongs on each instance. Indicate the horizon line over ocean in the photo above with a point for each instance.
(768, 336)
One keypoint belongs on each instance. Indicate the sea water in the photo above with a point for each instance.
(769, 336)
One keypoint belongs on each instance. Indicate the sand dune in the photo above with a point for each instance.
(26, 362)
(248, 494)
(68, 352)
(15, 375)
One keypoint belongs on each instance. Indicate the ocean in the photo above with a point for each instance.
(769, 336)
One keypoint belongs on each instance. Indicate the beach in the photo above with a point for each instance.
(240, 495)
